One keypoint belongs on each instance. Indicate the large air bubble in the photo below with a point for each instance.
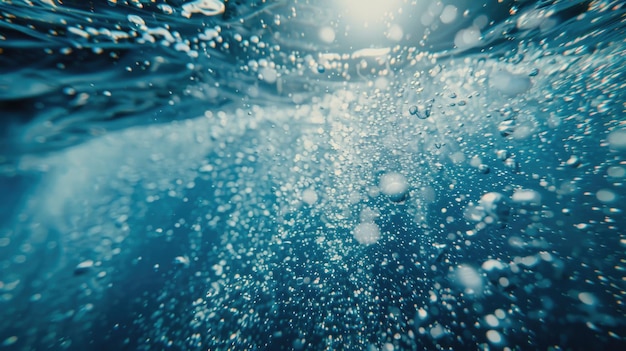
(395, 186)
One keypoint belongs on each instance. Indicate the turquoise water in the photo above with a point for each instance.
(312, 175)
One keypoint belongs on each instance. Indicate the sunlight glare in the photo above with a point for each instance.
(368, 12)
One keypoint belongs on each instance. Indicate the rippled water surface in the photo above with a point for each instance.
(312, 175)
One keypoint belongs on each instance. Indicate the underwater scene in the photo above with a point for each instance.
(376, 175)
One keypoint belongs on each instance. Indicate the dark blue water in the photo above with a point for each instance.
(321, 175)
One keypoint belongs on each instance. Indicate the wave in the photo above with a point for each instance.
(74, 70)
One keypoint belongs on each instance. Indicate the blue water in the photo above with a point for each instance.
(321, 175)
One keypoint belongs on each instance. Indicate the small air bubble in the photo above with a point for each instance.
(415, 111)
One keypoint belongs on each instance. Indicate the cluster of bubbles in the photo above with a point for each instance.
(423, 205)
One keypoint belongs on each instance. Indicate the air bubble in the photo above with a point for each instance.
(483, 168)
(494, 336)
(415, 111)
(395, 186)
